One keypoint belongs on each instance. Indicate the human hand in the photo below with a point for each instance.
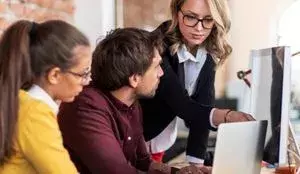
(192, 169)
(227, 115)
(237, 116)
(196, 164)
(159, 168)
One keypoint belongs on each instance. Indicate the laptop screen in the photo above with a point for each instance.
(239, 147)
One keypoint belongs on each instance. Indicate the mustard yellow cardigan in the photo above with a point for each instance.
(38, 142)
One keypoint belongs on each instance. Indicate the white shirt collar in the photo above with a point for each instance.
(184, 55)
(38, 93)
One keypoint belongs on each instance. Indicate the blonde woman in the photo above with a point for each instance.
(196, 44)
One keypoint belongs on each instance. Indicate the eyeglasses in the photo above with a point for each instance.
(85, 76)
(192, 21)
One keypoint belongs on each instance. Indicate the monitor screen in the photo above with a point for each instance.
(270, 96)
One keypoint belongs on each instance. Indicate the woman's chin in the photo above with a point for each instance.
(68, 100)
(194, 42)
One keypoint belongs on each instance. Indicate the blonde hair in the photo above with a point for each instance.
(216, 43)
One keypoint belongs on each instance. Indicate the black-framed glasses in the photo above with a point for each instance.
(85, 76)
(192, 21)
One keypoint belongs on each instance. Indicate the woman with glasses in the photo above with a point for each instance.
(39, 65)
(196, 44)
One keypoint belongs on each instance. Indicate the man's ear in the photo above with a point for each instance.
(134, 80)
(54, 75)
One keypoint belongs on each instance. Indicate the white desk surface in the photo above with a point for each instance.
(263, 170)
(267, 171)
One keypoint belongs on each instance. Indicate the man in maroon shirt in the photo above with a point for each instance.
(102, 129)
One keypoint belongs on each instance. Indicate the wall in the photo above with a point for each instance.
(95, 18)
(36, 10)
(254, 26)
(145, 14)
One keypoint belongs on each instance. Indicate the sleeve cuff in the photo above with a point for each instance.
(211, 118)
(194, 160)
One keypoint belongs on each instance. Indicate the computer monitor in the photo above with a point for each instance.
(270, 98)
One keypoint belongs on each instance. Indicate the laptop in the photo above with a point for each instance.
(239, 148)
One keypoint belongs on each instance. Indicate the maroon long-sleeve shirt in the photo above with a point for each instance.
(103, 135)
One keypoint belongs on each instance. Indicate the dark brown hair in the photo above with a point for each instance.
(27, 52)
(121, 54)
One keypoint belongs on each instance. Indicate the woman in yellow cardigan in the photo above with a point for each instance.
(39, 64)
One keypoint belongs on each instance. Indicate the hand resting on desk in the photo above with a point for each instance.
(161, 168)
(195, 170)
(227, 116)
(236, 116)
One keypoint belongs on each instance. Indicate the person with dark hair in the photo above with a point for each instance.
(40, 63)
(196, 44)
(102, 128)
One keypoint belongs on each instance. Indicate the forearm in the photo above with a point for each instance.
(197, 143)
(218, 116)
(227, 116)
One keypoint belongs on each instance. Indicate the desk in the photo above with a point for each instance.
(267, 171)
(263, 170)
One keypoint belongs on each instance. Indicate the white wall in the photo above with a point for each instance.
(254, 26)
(95, 17)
